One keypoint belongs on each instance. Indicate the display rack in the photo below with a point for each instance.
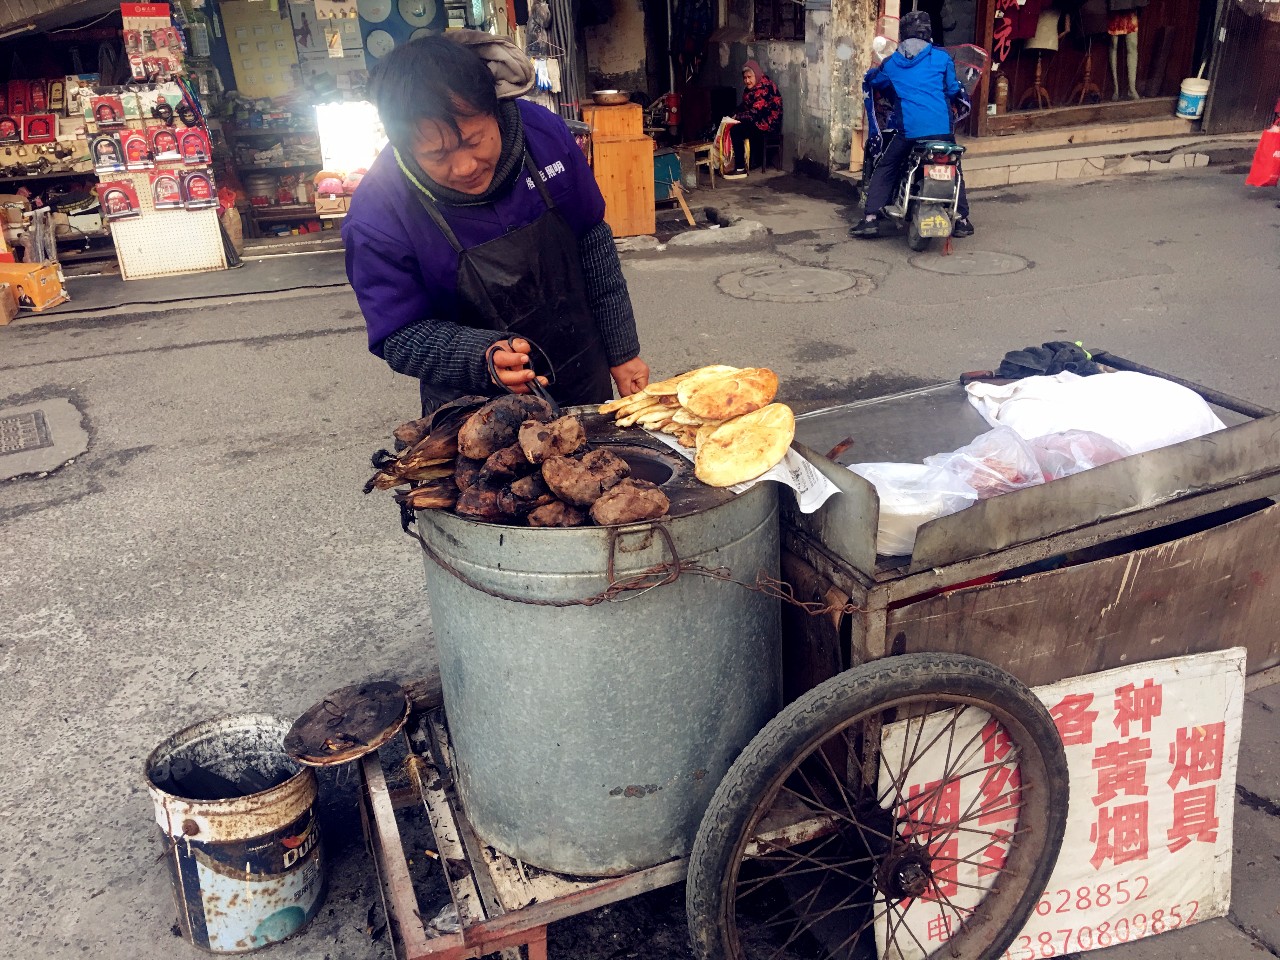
(165, 243)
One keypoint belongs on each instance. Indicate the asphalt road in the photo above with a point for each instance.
(212, 553)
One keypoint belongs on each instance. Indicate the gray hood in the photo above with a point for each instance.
(911, 47)
(512, 70)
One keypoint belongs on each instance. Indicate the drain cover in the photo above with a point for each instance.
(783, 283)
(970, 263)
(24, 431)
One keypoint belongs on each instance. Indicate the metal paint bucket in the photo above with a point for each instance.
(247, 870)
(589, 739)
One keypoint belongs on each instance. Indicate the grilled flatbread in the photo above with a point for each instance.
(730, 395)
(745, 447)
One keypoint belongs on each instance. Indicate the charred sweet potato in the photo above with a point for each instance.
(581, 481)
(557, 514)
(407, 434)
(467, 472)
(497, 424)
(525, 495)
(506, 465)
(630, 501)
(559, 438)
(483, 503)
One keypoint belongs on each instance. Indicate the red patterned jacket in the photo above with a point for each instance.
(762, 105)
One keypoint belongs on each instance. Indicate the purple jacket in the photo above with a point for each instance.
(399, 263)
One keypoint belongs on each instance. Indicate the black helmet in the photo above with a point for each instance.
(915, 26)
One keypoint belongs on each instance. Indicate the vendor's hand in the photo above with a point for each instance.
(511, 360)
(631, 377)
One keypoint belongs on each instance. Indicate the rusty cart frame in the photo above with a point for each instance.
(1161, 554)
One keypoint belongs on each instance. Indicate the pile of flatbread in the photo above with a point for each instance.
(725, 413)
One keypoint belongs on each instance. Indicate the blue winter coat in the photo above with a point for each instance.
(924, 86)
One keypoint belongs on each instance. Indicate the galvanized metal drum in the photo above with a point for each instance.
(247, 867)
(590, 738)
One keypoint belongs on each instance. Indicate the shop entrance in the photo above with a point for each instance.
(1060, 63)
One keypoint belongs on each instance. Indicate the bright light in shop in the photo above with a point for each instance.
(351, 135)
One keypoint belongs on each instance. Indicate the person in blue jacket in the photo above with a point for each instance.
(479, 233)
(922, 80)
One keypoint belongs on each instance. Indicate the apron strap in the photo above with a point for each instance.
(537, 180)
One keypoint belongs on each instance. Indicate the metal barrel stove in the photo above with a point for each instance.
(589, 739)
(247, 868)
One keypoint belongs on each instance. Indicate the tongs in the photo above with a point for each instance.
(535, 387)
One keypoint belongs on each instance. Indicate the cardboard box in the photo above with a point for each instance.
(8, 305)
(34, 286)
(332, 206)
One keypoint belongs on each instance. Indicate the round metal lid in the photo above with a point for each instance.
(348, 723)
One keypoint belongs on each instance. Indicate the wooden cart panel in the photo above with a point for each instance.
(1213, 589)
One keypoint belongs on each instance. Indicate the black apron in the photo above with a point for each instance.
(529, 283)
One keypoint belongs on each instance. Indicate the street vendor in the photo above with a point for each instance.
(479, 230)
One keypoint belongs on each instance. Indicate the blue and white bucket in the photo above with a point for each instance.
(247, 868)
(1192, 97)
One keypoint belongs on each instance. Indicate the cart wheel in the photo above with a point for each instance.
(914, 240)
(908, 806)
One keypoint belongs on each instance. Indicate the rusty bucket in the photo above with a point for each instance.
(237, 821)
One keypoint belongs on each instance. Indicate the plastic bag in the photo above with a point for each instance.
(999, 461)
(1138, 411)
(911, 494)
(1265, 171)
(1064, 454)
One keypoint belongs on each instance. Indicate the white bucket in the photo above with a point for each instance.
(1191, 100)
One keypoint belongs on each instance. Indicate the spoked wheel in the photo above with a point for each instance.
(909, 807)
(914, 240)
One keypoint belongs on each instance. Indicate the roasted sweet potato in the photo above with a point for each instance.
(497, 424)
(525, 495)
(557, 514)
(581, 481)
(506, 465)
(481, 502)
(630, 501)
(408, 434)
(467, 472)
(559, 438)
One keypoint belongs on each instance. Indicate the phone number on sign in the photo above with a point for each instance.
(1054, 943)
(1086, 898)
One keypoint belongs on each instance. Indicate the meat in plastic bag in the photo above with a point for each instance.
(998, 461)
(1064, 454)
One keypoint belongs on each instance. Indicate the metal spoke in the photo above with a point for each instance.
(817, 863)
(923, 949)
(853, 937)
(835, 813)
(897, 787)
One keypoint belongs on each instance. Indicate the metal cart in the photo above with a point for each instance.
(1161, 554)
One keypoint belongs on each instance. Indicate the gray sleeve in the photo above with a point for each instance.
(442, 353)
(607, 294)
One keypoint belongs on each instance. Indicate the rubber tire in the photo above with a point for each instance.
(823, 708)
(916, 242)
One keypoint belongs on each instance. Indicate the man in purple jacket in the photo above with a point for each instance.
(480, 230)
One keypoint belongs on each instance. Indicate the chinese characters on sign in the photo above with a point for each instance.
(1151, 751)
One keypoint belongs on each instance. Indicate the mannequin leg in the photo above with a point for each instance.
(1115, 75)
(1131, 62)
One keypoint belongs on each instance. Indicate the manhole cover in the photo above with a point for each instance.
(782, 283)
(24, 431)
(970, 263)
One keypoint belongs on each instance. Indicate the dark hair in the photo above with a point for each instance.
(431, 78)
(916, 25)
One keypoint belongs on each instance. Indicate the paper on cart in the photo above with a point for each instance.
(811, 487)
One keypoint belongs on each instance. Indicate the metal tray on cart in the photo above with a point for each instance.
(1162, 554)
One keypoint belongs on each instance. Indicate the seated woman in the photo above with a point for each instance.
(759, 114)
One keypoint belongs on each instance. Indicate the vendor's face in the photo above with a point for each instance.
(748, 78)
(465, 164)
